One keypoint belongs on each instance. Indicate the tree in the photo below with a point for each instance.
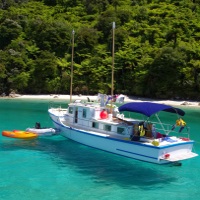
(50, 36)
(9, 30)
(45, 70)
(164, 73)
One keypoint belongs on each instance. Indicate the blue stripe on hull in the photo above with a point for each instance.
(137, 154)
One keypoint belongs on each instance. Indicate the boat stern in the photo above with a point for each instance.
(178, 151)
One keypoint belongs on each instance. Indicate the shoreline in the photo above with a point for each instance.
(93, 98)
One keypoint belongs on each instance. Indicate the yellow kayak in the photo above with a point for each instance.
(19, 134)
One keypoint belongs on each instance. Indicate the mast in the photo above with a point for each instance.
(72, 66)
(113, 57)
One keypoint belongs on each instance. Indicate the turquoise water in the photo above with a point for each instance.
(55, 168)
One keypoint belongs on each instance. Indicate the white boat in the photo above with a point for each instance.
(106, 127)
(98, 126)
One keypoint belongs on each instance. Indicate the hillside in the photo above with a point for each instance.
(157, 47)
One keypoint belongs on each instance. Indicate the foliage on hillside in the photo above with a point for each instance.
(157, 47)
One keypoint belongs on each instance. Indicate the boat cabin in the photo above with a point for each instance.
(91, 117)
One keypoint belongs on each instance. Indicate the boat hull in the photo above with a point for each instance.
(42, 131)
(135, 150)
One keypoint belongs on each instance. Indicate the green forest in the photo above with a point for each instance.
(157, 47)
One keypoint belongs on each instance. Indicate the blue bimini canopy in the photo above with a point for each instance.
(149, 109)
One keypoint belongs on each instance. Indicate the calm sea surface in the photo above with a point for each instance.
(55, 168)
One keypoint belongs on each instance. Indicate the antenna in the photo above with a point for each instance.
(113, 63)
(72, 66)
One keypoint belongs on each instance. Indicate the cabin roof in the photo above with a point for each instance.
(148, 108)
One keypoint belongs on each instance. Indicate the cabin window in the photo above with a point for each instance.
(95, 125)
(71, 110)
(107, 127)
(84, 113)
(120, 130)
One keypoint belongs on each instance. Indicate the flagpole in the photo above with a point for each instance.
(72, 66)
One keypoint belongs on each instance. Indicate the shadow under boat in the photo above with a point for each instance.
(102, 167)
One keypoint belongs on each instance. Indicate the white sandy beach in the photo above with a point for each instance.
(127, 99)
